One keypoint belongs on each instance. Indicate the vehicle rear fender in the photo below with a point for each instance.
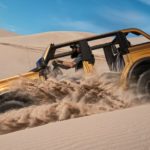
(137, 69)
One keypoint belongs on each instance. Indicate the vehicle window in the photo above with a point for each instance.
(136, 39)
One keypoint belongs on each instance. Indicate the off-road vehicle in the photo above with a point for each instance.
(126, 51)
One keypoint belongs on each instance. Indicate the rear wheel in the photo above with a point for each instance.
(143, 85)
(12, 104)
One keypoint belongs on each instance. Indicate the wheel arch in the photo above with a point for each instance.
(138, 68)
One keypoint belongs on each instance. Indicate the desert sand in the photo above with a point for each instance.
(63, 104)
(126, 129)
(5, 33)
(20, 53)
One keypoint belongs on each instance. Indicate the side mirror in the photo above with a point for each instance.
(40, 63)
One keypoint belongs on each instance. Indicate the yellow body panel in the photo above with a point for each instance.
(135, 54)
(6, 83)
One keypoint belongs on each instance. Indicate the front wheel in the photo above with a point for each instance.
(12, 104)
(143, 85)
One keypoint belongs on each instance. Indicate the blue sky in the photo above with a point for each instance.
(97, 16)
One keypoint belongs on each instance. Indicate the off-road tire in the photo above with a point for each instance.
(143, 84)
(12, 104)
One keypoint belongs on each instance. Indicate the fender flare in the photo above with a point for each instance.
(130, 73)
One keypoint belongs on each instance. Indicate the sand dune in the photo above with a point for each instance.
(42, 40)
(67, 98)
(5, 33)
(19, 54)
(123, 129)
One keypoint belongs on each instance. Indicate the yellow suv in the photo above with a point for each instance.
(126, 51)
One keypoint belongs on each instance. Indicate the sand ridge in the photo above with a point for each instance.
(18, 54)
(5, 33)
(66, 98)
(121, 129)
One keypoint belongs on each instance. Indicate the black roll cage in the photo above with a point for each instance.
(86, 50)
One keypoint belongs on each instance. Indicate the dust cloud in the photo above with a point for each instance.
(65, 98)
